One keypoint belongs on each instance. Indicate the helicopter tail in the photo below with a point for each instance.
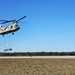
(0, 27)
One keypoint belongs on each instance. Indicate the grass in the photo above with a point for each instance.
(37, 66)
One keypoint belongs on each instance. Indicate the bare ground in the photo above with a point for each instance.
(62, 57)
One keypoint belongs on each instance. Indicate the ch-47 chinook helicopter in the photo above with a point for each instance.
(10, 28)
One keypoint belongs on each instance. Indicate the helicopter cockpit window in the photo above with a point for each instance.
(16, 26)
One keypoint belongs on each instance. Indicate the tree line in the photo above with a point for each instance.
(37, 54)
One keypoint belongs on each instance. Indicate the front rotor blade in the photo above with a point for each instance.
(21, 18)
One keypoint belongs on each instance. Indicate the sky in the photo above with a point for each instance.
(49, 25)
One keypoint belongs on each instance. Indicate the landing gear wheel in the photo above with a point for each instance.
(12, 33)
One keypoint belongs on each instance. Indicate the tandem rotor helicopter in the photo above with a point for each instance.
(10, 28)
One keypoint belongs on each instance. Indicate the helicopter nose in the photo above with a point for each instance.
(18, 27)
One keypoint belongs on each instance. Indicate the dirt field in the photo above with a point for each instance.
(37, 66)
(17, 57)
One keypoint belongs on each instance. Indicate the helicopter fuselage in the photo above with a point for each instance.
(9, 29)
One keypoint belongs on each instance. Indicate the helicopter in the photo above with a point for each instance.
(10, 28)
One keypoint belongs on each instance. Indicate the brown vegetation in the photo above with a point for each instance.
(37, 66)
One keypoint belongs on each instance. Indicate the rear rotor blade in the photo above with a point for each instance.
(3, 20)
(6, 21)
